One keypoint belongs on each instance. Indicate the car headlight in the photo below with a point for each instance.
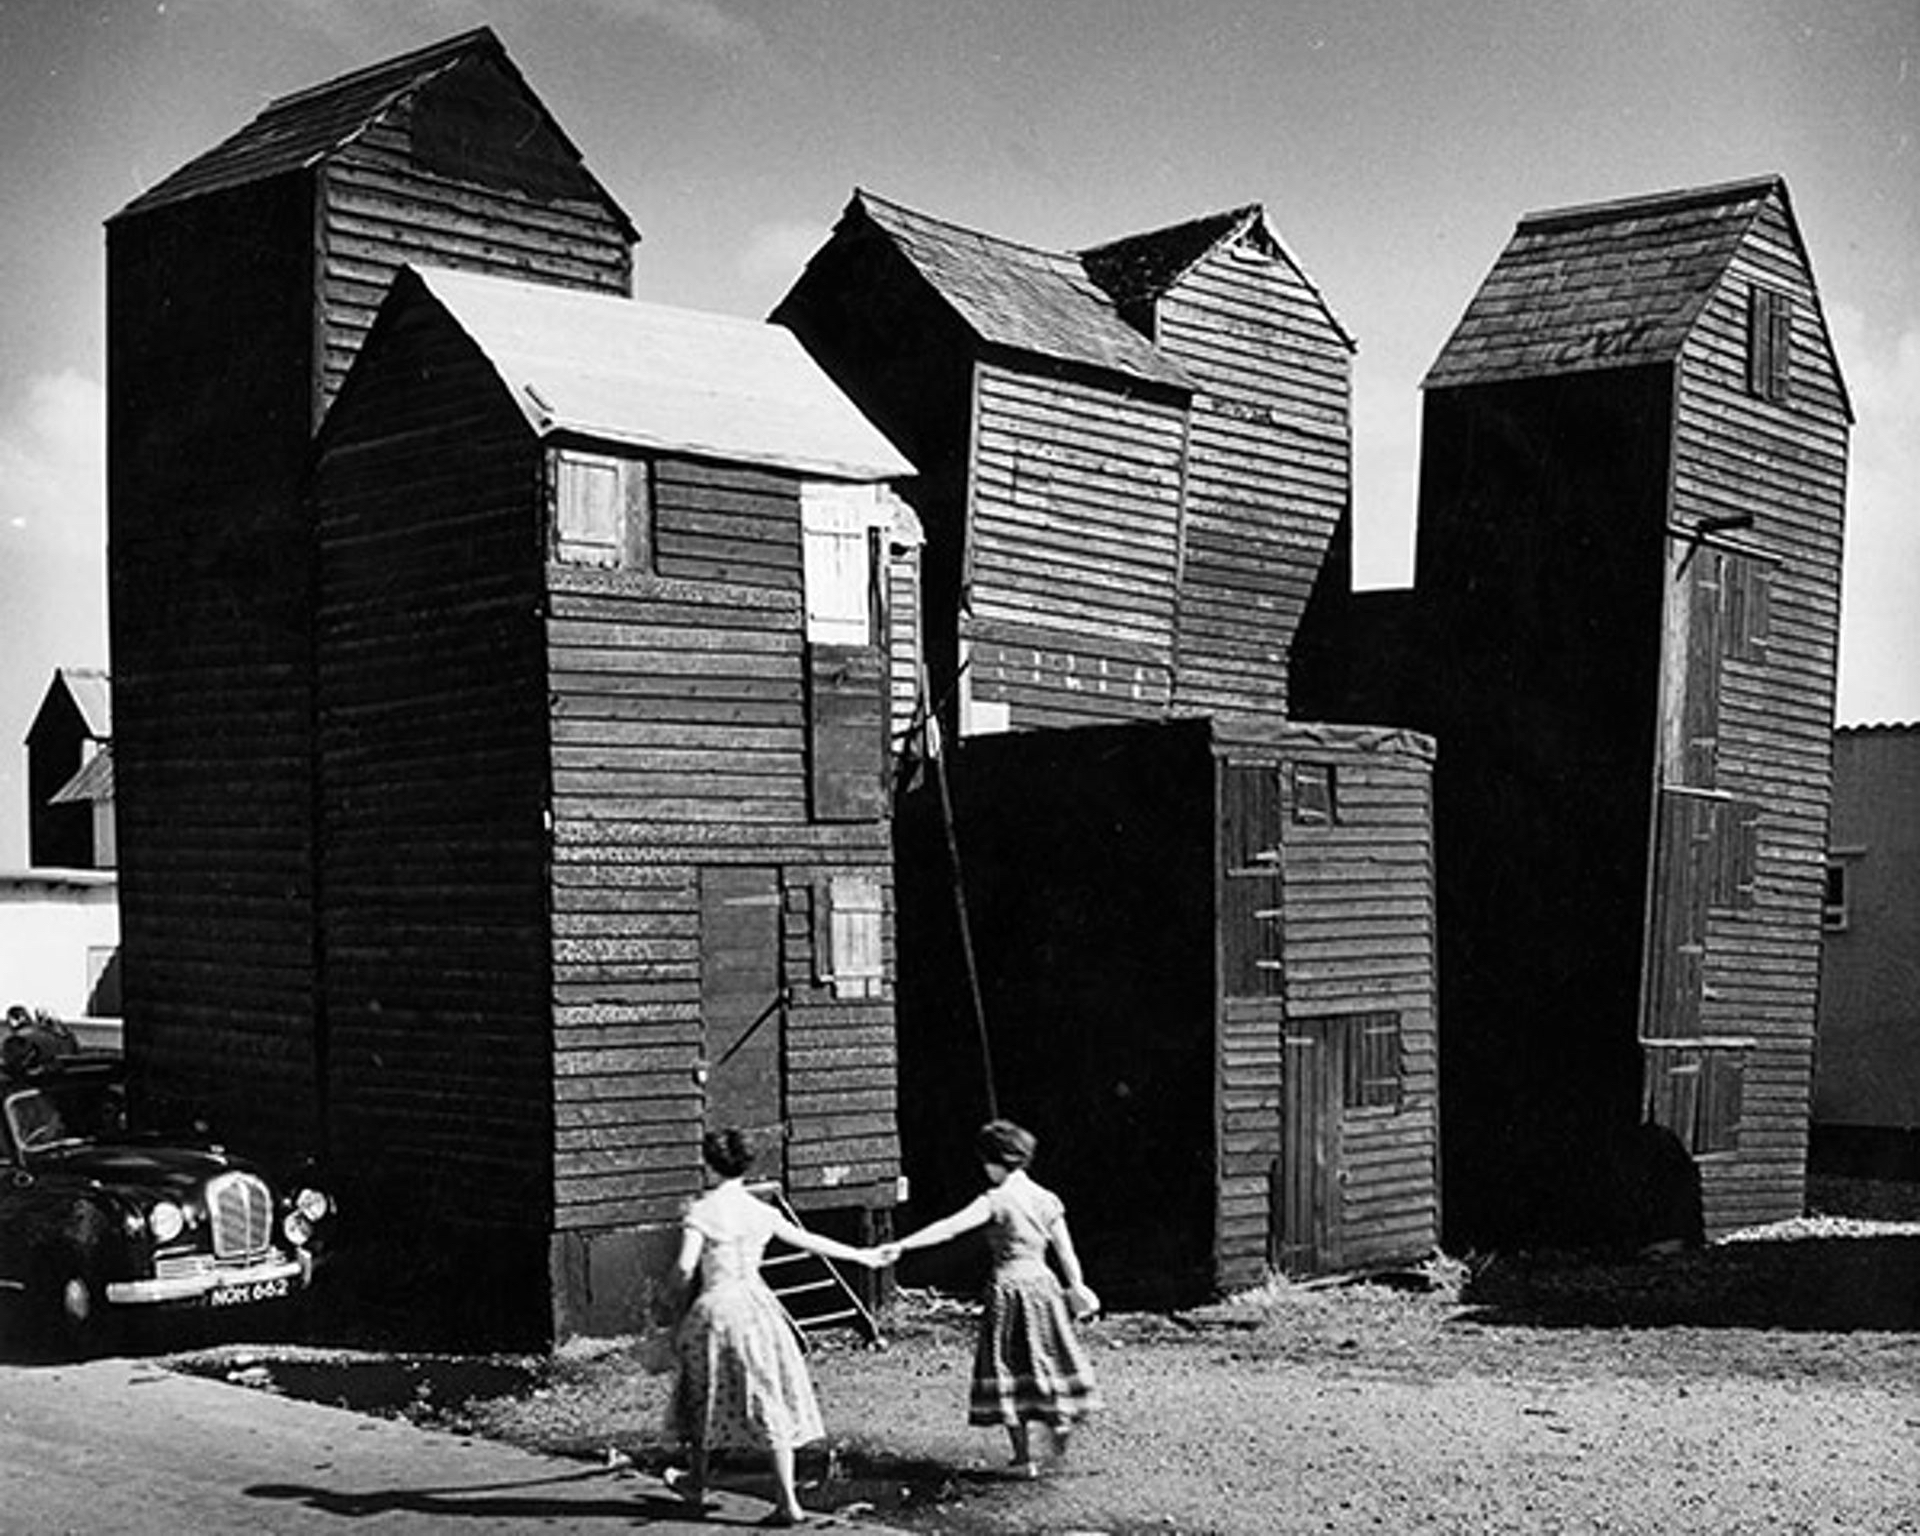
(313, 1204)
(166, 1221)
(298, 1229)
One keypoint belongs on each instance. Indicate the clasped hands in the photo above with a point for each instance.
(879, 1256)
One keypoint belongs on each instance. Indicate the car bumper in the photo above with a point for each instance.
(229, 1287)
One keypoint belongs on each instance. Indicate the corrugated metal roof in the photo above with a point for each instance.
(94, 781)
(300, 129)
(1139, 269)
(1017, 296)
(620, 370)
(1606, 285)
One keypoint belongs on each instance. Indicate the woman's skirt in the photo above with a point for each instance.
(742, 1383)
(1029, 1364)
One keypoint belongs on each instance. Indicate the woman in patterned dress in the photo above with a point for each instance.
(1029, 1365)
(742, 1383)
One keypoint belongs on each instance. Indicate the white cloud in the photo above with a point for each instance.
(1880, 596)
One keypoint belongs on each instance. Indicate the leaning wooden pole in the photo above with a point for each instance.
(936, 754)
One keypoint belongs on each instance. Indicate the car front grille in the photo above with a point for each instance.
(242, 1212)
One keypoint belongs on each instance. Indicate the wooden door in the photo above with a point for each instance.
(740, 1006)
(1306, 1187)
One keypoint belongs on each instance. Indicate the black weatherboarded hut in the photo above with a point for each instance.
(1623, 632)
(238, 289)
(606, 854)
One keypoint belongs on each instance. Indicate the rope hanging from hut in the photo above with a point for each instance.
(937, 757)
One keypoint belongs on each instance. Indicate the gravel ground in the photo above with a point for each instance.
(1770, 1383)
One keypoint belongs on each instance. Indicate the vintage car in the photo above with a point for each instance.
(98, 1225)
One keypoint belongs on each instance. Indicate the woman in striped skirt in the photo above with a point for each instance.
(1029, 1365)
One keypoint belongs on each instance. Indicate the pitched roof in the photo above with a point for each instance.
(648, 376)
(299, 130)
(1139, 269)
(94, 781)
(91, 692)
(1606, 285)
(1017, 296)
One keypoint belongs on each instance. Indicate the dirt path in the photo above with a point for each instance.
(1771, 1386)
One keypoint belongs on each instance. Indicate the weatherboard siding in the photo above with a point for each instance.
(431, 742)
(378, 207)
(1268, 469)
(1783, 464)
(681, 741)
(1073, 544)
(208, 571)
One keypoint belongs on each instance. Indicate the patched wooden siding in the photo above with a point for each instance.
(1357, 937)
(208, 571)
(379, 207)
(1785, 465)
(1268, 469)
(1360, 939)
(680, 742)
(1073, 549)
(432, 748)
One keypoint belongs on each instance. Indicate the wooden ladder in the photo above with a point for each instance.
(809, 1286)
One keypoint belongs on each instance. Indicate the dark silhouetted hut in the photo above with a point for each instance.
(70, 773)
(1623, 632)
(238, 289)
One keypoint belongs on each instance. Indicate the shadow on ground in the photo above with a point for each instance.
(1812, 1284)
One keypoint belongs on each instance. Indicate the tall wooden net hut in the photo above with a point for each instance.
(1623, 631)
(238, 290)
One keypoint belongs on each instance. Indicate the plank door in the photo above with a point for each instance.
(741, 1008)
(1306, 1186)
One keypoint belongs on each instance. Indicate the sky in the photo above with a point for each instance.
(1394, 144)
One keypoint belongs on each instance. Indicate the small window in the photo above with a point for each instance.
(840, 525)
(1769, 344)
(1313, 795)
(599, 510)
(1372, 1065)
(1833, 903)
(849, 931)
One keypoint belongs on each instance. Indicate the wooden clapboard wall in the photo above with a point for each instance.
(1267, 468)
(1350, 934)
(237, 290)
(682, 741)
(432, 769)
(1073, 548)
(1781, 462)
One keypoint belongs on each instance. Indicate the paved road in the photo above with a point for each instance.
(123, 1446)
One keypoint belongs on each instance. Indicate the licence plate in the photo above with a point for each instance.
(254, 1290)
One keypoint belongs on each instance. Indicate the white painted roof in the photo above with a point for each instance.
(676, 380)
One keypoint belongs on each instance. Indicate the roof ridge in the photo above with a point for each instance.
(399, 64)
(866, 195)
(1575, 214)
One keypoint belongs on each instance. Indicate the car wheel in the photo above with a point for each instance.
(82, 1325)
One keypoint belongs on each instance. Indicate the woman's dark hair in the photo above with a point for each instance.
(1004, 1144)
(727, 1152)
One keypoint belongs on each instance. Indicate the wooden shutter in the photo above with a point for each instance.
(849, 952)
(1372, 1066)
(1250, 894)
(847, 732)
(1770, 344)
